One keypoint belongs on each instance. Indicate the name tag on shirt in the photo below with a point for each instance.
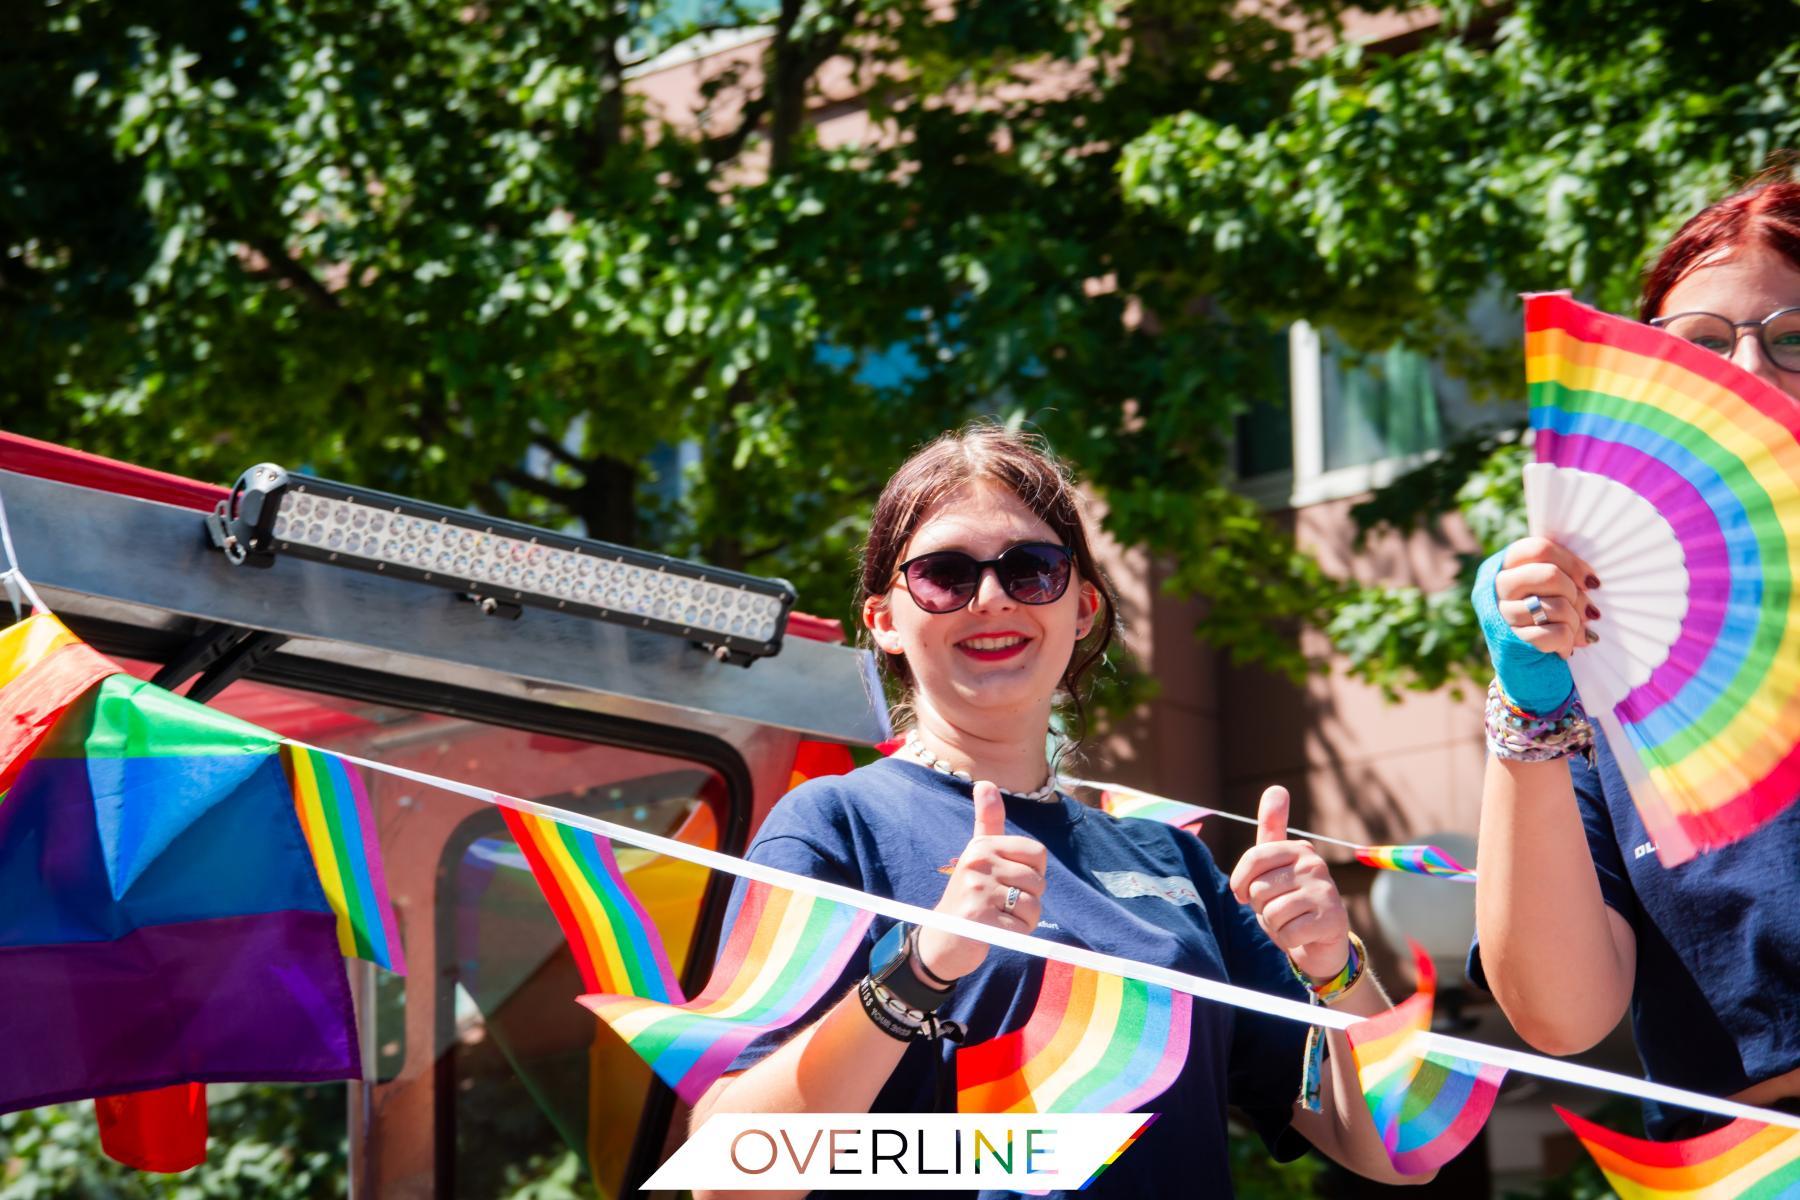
(1129, 884)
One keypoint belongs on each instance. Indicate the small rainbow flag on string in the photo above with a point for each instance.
(1427, 1106)
(1124, 802)
(1746, 1159)
(782, 954)
(335, 815)
(1414, 860)
(617, 946)
(1094, 1043)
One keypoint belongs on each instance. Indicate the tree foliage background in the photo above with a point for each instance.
(449, 248)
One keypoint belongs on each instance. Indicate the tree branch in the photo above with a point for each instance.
(730, 145)
(792, 65)
(609, 114)
(560, 452)
(525, 481)
(283, 267)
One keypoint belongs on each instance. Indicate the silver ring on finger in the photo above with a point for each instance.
(1535, 606)
(1012, 898)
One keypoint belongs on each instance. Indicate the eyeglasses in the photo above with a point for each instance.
(947, 580)
(1779, 333)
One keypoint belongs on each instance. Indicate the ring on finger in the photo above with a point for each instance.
(1535, 606)
(1012, 898)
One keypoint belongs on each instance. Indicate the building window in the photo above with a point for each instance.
(1354, 421)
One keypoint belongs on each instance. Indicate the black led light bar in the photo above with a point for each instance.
(274, 512)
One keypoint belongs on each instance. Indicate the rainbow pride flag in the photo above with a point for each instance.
(1093, 1043)
(783, 952)
(43, 669)
(1123, 802)
(616, 945)
(1427, 1106)
(339, 825)
(1676, 475)
(1746, 1159)
(1414, 860)
(162, 916)
(815, 759)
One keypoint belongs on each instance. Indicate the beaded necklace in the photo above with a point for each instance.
(916, 748)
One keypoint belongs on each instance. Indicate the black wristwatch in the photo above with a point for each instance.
(890, 965)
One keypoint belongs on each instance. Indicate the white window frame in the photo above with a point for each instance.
(1309, 482)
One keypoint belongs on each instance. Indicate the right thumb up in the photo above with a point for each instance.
(990, 811)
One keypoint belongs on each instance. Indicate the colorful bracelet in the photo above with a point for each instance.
(1519, 736)
(1354, 968)
(1312, 1063)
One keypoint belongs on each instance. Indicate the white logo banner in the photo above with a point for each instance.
(1026, 1152)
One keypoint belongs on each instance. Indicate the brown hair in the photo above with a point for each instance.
(1767, 213)
(1025, 466)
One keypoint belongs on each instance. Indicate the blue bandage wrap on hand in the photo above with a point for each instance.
(1534, 680)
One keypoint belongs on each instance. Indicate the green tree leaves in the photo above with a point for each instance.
(477, 255)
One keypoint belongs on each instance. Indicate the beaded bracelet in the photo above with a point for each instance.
(1519, 736)
(899, 1020)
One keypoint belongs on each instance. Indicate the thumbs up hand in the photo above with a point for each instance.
(1289, 888)
(998, 881)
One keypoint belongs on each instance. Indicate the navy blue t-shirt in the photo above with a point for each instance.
(1715, 1006)
(1138, 889)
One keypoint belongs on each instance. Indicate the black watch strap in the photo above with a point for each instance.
(891, 966)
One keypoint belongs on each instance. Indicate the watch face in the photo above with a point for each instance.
(889, 952)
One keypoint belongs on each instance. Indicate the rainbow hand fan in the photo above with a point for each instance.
(1676, 475)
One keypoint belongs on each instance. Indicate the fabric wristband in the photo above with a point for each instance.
(1515, 735)
(1312, 1062)
(1537, 681)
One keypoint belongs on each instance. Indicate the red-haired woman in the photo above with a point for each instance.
(1577, 918)
(982, 596)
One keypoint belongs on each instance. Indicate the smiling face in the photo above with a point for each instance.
(1746, 284)
(997, 661)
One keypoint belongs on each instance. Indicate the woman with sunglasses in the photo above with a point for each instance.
(983, 600)
(1577, 918)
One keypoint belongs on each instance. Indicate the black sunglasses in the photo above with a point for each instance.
(947, 580)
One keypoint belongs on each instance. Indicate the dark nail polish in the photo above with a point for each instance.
(1592, 637)
(1591, 582)
(1593, 613)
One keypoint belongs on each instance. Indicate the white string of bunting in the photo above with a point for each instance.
(1194, 985)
